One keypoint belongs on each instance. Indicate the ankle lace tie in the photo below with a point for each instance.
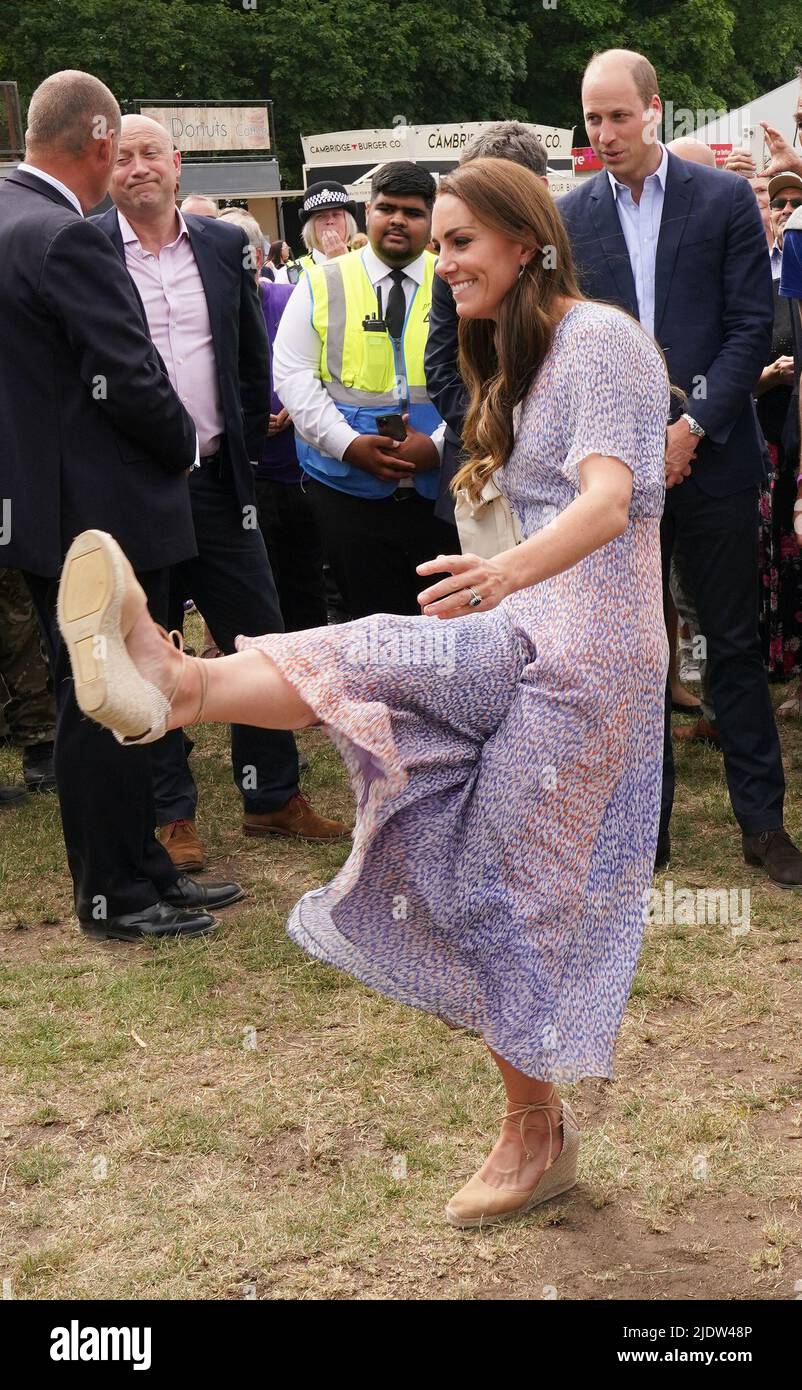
(176, 639)
(520, 1116)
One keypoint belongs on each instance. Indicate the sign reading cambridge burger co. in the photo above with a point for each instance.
(207, 128)
(421, 142)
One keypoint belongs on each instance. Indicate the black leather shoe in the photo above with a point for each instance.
(185, 892)
(11, 796)
(662, 857)
(37, 768)
(152, 923)
(775, 851)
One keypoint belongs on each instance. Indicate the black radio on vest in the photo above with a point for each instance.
(375, 323)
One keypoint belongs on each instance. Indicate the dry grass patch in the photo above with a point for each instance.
(214, 1118)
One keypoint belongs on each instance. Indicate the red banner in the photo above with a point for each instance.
(585, 161)
(721, 152)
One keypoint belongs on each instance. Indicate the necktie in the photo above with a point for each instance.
(396, 310)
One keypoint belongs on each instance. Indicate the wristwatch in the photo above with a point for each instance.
(693, 426)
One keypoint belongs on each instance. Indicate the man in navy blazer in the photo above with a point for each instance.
(93, 436)
(197, 285)
(681, 247)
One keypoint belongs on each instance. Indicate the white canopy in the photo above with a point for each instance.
(737, 127)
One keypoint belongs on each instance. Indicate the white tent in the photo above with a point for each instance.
(740, 126)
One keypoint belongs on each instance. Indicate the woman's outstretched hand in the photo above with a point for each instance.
(451, 598)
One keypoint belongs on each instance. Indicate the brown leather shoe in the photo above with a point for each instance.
(775, 851)
(699, 732)
(296, 819)
(180, 839)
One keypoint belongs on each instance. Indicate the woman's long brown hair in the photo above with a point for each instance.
(498, 359)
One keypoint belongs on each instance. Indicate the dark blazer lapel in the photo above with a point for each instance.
(22, 178)
(205, 254)
(676, 207)
(611, 237)
(110, 222)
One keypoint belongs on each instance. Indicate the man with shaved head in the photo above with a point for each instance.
(200, 205)
(195, 276)
(685, 147)
(94, 436)
(681, 247)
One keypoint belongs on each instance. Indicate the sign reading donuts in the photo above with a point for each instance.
(206, 129)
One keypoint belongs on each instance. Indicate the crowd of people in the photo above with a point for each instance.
(193, 418)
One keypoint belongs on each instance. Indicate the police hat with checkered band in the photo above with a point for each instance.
(325, 197)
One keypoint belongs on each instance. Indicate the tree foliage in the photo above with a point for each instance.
(343, 64)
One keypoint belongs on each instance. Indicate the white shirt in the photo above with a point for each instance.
(281, 274)
(54, 183)
(296, 359)
(640, 223)
(776, 261)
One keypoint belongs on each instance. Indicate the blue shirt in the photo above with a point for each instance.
(640, 223)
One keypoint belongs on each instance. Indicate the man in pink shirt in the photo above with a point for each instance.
(194, 278)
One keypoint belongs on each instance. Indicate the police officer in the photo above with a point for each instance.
(349, 351)
(327, 221)
(27, 706)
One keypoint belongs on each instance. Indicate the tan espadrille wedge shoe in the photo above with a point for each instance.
(99, 600)
(479, 1204)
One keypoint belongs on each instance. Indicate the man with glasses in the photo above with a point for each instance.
(785, 196)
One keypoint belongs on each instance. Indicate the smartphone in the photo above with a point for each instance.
(393, 426)
(756, 136)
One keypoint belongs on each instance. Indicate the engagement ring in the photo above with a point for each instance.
(475, 598)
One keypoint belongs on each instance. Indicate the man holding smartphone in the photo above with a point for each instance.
(348, 365)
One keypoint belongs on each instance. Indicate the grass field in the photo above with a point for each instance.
(226, 1118)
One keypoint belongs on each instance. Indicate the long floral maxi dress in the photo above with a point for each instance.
(507, 765)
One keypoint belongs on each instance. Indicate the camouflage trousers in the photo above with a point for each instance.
(27, 707)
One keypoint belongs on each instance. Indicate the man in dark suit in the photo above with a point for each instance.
(501, 140)
(681, 247)
(93, 436)
(195, 279)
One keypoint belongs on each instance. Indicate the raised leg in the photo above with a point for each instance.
(246, 688)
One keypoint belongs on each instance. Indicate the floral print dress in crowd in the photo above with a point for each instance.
(507, 765)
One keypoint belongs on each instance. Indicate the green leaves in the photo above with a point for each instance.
(347, 64)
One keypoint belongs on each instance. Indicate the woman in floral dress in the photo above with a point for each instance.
(505, 747)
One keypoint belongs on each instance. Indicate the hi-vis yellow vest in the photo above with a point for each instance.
(364, 371)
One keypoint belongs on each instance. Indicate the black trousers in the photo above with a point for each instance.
(717, 541)
(295, 551)
(373, 546)
(105, 790)
(231, 584)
